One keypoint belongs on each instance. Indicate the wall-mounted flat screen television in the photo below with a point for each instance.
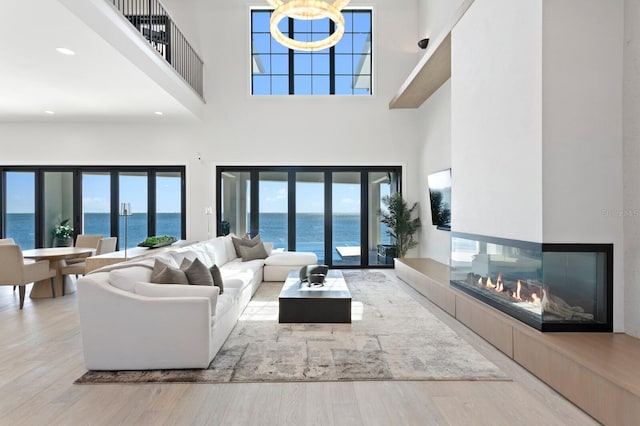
(440, 197)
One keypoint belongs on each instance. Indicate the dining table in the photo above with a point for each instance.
(56, 257)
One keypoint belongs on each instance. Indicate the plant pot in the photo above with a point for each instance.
(57, 242)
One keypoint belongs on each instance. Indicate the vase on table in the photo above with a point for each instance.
(62, 242)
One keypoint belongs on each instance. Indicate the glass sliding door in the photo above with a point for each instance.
(96, 203)
(330, 211)
(133, 188)
(274, 208)
(235, 203)
(346, 218)
(168, 204)
(310, 213)
(20, 222)
(381, 248)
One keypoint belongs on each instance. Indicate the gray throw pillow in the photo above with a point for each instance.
(253, 253)
(245, 242)
(217, 277)
(197, 272)
(167, 274)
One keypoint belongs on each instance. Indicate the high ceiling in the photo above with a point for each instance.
(98, 83)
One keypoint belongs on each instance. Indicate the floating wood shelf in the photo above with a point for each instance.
(433, 70)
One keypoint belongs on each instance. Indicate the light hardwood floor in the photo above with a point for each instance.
(41, 357)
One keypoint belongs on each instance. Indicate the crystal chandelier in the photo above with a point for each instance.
(307, 10)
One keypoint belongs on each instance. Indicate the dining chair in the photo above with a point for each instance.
(14, 271)
(86, 241)
(8, 241)
(105, 245)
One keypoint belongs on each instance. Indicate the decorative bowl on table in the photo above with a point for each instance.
(155, 242)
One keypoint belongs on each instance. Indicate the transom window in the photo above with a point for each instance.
(344, 69)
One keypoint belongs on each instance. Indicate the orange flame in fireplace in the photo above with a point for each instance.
(518, 290)
(490, 283)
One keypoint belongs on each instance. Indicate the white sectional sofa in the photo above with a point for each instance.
(129, 323)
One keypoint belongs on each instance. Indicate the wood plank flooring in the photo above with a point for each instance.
(42, 355)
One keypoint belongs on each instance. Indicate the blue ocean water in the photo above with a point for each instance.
(273, 228)
(310, 232)
(21, 227)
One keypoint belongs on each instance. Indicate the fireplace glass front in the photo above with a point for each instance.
(552, 287)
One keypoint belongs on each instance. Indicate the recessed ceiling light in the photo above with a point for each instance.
(65, 51)
(49, 112)
(159, 113)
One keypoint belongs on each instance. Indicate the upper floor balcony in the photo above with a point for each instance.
(131, 63)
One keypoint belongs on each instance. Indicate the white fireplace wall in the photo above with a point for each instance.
(631, 128)
(582, 45)
(496, 116)
(536, 113)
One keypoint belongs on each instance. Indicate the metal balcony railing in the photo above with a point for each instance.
(151, 19)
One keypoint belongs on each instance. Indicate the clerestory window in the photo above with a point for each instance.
(344, 69)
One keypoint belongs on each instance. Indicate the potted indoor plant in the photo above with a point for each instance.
(402, 227)
(62, 234)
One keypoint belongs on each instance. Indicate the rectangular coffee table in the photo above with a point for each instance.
(330, 303)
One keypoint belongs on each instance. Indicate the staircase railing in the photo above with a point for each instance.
(151, 19)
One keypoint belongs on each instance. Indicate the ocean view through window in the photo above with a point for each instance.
(88, 197)
(330, 211)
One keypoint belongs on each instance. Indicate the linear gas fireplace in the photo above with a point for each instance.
(552, 287)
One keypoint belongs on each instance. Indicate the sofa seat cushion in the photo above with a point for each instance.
(226, 301)
(291, 258)
(238, 283)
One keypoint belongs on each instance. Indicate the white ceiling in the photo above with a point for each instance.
(96, 84)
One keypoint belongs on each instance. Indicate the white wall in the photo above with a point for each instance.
(631, 211)
(496, 114)
(240, 129)
(434, 16)
(435, 155)
(582, 128)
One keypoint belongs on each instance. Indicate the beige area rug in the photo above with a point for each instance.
(392, 337)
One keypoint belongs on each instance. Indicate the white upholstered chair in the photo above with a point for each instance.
(105, 245)
(14, 271)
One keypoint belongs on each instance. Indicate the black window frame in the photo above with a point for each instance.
(77, 171)
(291, 55)
(254, 223)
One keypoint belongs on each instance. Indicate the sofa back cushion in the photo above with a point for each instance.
(230, 250)
(125, 278)
(219, 251)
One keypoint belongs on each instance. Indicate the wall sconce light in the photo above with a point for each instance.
(423, 43)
